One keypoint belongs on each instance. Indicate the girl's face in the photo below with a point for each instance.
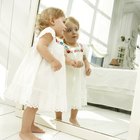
(71, 34)
(59, 26)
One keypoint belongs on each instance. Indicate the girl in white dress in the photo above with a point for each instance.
(40, 81)
(76, 69)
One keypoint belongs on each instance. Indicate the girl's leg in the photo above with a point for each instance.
(73, 117)
(28, 117)
(58, 116)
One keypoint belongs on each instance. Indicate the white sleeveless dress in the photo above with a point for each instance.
(35, 84)
(76, 79)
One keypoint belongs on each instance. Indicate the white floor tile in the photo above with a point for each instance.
(101, 123)
(9, 125)
(13, 137)
(63, 136)
(48, 135)
(4, 109)
(115, 120)
(123, 136)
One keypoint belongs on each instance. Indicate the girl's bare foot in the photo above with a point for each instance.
(28, 136)
(74, 122)
(36, 129)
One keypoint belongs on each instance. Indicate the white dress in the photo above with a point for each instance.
(76, 80)
(35, 84)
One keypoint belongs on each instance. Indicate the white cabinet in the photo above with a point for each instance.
(17, 20)
(22, 28)
(5, 26)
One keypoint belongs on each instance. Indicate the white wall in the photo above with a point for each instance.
(114, 31)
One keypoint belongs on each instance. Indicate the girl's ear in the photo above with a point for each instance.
(52, 21)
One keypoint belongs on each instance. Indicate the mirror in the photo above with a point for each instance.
(110, 95)
(108, 111)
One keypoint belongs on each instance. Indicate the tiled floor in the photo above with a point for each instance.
(10, 126)
(105, 121)
(101, 120)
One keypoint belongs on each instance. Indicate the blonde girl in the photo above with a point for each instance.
(39, 82)
(76, 69)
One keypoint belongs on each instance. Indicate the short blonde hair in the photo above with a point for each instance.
(73, 20)
(43, 19)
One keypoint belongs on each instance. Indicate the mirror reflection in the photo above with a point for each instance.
(111, 37)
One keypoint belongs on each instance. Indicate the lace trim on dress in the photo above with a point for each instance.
(68, 49)
(34, 102)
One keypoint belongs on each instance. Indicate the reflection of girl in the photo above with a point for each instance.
(75, 59)
(40, 80)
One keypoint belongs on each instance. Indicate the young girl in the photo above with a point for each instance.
(40, 80)
(77, 67)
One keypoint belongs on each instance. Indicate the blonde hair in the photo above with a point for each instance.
(43, 19)
(73, 20)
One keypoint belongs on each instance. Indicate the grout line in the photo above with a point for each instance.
(121, 133)
(55, 135)
(7, 113)
(10, 136)
(4, 104)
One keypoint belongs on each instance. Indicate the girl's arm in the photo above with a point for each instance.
(42, 48)
(87, 65)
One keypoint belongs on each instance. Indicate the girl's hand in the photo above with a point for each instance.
(56, 65)
(79, 64)
(72, 63)
(76, 64)
(88, 71)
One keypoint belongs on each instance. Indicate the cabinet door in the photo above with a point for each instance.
(5, 29)
(5, 26)
(23, 21)
(17, 20)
